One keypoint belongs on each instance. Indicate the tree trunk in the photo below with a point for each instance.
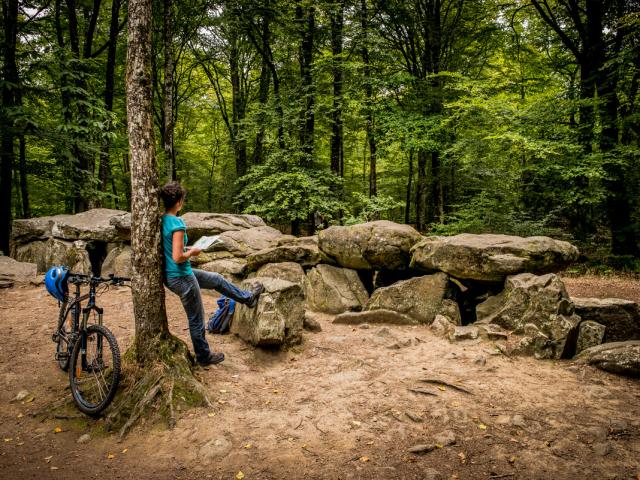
(7, 155)
(263, 97)
(407, 208)
(421, 191)
(237, 100)
(104, 169)
(336, 15)
(368, 91)
(306, 21)
(167, 38)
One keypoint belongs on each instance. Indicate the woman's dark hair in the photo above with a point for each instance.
(171, 194)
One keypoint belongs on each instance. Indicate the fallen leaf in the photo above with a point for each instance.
(439, 445)
(290, 439)
(239, 475)
(248, 445)
(223, 391)
(221, 402)
(482, 426)
(370, 443)
(110, 456)
(125, 450)
(304, 445)
(29, 399)
(513, 459)
(211, 415)
(267, 402)
(455, 404)
(441, 388)
(20, 444)
(48, 459)
(355, 423)
(463, 457)
(364, 459)
(57, 430)
(54, 468)
(8, 439)
(20, 415)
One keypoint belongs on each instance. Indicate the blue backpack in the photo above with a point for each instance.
(220, 321)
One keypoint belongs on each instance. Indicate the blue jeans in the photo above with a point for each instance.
(188, 289)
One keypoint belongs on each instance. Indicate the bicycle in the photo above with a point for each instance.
(94, 372)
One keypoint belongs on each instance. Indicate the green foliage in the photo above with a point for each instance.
(365, 209)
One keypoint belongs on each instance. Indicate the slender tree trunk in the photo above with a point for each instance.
(148, 290)
(368, 92)
(238, 113)
(407, 208)
(24, 188)
(7, 155)
(167, 38)
(104, 169)
(263, 97)
(306, 20)
(421, 191)
(336, 15)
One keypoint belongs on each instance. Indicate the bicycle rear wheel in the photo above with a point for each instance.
(94, 375)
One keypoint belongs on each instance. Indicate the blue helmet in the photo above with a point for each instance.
(56, 281)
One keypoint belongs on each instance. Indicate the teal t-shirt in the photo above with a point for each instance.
(171, 224)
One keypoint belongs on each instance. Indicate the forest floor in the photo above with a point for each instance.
(340, 405)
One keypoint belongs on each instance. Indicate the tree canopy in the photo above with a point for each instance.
(453, 115)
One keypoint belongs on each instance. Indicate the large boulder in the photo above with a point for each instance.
(199, 223)
(93, 224)
(305, 252)
(289, 271)
(118, 262)
(370, 246)
(332, 289)
(539, 301)
(419, 298)
(54, 251)
(491, 257)
(234, 267)
(241, 243)
(278, 318)
(16, 272)
(616, 357)
(620, 317)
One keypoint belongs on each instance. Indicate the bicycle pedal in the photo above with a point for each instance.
(54, 337)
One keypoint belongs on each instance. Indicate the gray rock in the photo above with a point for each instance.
(54, 251)
(480, 360)
(492, 331)
(306, 254)
(490, 257)
(332, 289)
(215, 449)
(84, 439)
(94, 224)
(310, 323)
(118, 262)
(241, 243)
(431, 474)
(616, 357)
(364, 326)
(419, 298)
(518, 421)
(445, 438)
(468, 332)
(205, 223)
(541, 301)
(234, 267)
(442, 326)
(534, 343)
(590, 334)
(451, 310)
(373, 245)
(289, 271)
(422, 448)
(278, 318)
(17, 272)
(374, 316)
(620, 317)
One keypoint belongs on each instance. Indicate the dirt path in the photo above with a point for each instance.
(338, 406)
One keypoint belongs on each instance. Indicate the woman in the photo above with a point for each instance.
(187, 282)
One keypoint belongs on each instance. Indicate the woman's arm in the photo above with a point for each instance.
(177, 253)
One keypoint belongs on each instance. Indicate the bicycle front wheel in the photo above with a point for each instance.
(94, 373)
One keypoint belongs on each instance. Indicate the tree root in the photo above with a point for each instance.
(156, 391)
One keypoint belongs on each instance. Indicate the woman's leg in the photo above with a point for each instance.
(215, 281)
(188, 290)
